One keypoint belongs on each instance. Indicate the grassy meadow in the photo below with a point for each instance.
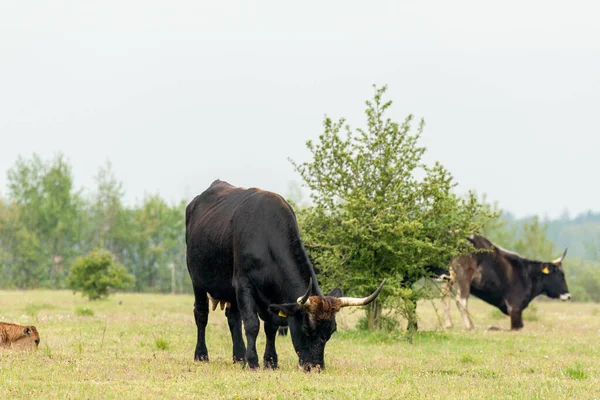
(141, 346)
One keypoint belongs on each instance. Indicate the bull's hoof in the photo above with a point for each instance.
(252, 365)
(201, 357)
(238, 360)
(448, 326)
(270, 364)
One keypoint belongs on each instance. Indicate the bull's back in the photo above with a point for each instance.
(209, 237)
(214, 221)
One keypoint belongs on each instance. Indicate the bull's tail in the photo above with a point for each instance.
(440, 274)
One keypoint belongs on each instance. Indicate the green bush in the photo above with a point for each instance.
(386, 323)
(84, 311)
(98, 273)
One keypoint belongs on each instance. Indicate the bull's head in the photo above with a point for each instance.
(312, 322)
(553, 277)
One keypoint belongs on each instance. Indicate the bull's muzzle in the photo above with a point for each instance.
(565, 297)
(311, 367)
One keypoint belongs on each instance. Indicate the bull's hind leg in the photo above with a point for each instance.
(270, 358)
(446, 295)
(234, 319)
(248, 310)
(201, 316)
(464, 290)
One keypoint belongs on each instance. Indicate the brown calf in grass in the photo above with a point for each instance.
(13, 336)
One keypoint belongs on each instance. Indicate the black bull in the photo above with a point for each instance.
(244, 251)
(503, 279)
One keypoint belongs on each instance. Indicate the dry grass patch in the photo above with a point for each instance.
(141, 346)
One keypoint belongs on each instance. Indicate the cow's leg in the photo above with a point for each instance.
(446, 295)
(270, 358)
(234, 319)
(248, 309)
(464, 290)
(516, 319)
(201, 316)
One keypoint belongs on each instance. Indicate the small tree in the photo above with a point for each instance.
(97, 273)
(380, 212)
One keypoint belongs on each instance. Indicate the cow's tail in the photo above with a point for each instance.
(440, 274)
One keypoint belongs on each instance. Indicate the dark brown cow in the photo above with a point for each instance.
(503, 279)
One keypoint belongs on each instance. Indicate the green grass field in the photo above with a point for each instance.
(141, 346)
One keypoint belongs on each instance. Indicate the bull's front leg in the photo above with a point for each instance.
(270, 358)
(516, 319)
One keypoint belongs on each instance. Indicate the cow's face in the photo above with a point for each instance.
(28, 339)
(553, 278)
(312, 322)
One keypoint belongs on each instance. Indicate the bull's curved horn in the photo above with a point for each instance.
(304, 301)
(561, 258)
(354, 301)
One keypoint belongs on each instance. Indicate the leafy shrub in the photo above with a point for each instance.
(84, 311)
(386, 324)
(98, 273)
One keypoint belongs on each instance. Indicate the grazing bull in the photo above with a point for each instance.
(503, 279)
(13, 336)
(244, 250)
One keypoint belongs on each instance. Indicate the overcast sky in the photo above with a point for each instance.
(179, 93)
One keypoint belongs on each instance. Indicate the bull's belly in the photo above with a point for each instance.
(490, 298)
(213, 274)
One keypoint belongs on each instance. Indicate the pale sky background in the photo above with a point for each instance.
(179, 93)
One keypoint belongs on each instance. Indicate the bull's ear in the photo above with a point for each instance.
(337, 292)
(284, 310)
(27, 331)
(545, 269)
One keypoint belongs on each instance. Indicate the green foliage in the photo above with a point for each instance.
(497, 314)
(161, 344)
(83, 311)
(531, 313)
(33, 309)
(533, 242)
(467, 359)
(379, 211)
(46, 218)
(45, 224)
(98, 273)
(386, 324)
(576, 372)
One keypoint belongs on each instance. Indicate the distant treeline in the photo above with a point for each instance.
(46, 223)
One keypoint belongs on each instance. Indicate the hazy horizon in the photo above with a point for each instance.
(176, 97)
